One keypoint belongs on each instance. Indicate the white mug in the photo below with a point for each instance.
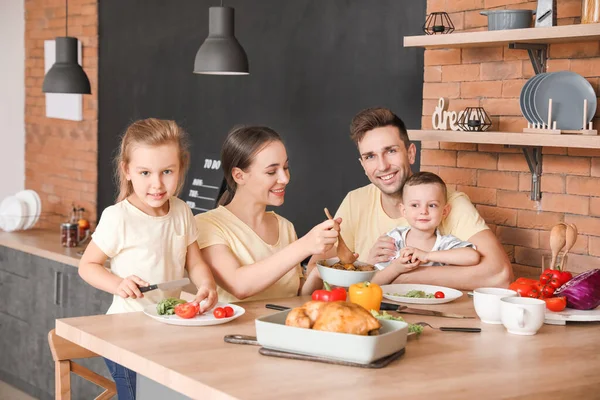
(487, 303)
(522, 315)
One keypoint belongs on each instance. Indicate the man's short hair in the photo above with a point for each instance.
(378, 117)
(424, 178)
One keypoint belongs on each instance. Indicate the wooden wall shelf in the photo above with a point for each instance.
(509, 138)
(553, 34)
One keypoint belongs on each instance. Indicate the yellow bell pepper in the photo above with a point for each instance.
(366, 294)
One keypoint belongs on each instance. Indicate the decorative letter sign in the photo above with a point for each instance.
(442, 118)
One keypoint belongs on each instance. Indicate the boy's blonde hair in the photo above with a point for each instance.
(150, 132)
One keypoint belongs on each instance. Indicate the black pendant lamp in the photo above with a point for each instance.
(221, 53)
(66, 75)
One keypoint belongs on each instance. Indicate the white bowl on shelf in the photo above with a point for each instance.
(340, 277)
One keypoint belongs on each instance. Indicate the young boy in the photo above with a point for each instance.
(424, 206)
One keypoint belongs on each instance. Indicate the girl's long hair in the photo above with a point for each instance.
(150, 132)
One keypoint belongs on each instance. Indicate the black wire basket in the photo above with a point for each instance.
(438, 23)
(474, 119)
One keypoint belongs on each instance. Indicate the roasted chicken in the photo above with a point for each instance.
(338, 316)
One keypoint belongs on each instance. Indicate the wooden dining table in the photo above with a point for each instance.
(559, 362)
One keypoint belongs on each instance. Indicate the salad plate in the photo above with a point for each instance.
(398, 292)
(205, 319)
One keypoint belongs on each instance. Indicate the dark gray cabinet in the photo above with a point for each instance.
(34, 292)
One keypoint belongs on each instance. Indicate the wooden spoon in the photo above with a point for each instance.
(570, 239)
(343, 252)
(557, 241)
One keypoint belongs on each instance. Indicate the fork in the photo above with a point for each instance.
(451, 328)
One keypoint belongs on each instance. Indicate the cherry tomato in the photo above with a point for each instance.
(555, 283)
(556, 303)
(186, 310)
(219, 312)
(228, 311)
(439, 295)
(545, 278)
(539, 286)
(552, 273)
(548, 291)
(533, 293)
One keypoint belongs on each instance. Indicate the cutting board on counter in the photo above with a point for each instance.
(571, 315)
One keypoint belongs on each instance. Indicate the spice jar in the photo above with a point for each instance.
(68, 234)
(590, 11)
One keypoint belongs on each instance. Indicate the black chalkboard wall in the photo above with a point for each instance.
(313, 65)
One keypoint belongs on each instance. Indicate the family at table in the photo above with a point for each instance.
(408, 225)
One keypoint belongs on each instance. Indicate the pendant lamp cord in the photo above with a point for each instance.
(66, 17)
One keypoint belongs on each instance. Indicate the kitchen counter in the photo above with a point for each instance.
(43, 243)
(559, 362)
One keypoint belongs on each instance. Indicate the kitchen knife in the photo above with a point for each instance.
(407, 310)
(170, 285)
(277, 307)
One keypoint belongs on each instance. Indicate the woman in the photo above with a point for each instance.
(255, 254)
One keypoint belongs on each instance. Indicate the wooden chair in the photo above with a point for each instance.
(62, 353)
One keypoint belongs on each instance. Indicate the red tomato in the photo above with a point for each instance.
(544, 278)
(555, 283)
(539, 286)
(439, 295)
(228, 311)
(552, 273)
(186, 310)
(533, 293)
(548, 291)
(219, 312)
(556, 303)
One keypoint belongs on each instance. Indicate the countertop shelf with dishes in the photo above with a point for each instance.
(507, 138)
(553, 34)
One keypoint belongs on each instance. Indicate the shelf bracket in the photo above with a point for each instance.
(533, 155)
(538, 54)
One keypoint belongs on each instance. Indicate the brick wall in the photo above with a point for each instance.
(497, 179)
(60, 155)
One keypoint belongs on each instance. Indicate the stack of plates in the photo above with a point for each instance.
(20, 211)
(567, 90)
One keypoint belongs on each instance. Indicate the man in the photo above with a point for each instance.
(368, 213)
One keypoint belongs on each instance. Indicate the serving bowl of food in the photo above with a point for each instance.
(336, 273)
(335, 330)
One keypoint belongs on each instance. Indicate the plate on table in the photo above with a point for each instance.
(205, 319)
(572, 315)
(394, 292)
(567, 91)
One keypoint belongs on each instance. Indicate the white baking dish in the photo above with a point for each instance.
(272, 333)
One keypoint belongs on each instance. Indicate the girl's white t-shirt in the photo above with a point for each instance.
(153, 248)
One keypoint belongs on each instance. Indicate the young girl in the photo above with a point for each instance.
(254, 253)
(149, 234)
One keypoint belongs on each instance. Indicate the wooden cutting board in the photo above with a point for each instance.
(571, 315)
